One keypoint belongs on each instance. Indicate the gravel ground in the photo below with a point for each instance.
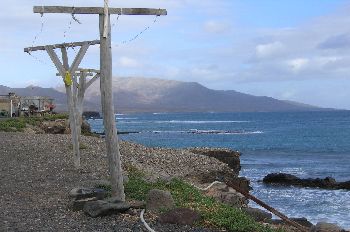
(37, 173)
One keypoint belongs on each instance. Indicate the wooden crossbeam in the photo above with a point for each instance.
(98, 10)
(77, 73)
(88, 70)
(62, 45)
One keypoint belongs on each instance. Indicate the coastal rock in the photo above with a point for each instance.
(225, 194)
(80, 196)
(259, 215)
(180, 216)
(209, 176)
(103, 208)
(227, 156)
(91, 114)
(326, 227)
(242, 183)
(59, 126)
(159, 200)
(165, 164)
(302, 221)
(85, 128)
(288, 179)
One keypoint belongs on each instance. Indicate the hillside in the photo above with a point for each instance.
(157, 95)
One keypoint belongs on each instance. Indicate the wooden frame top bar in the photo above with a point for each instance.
(98, 10)
(63, 45)
(91, 70)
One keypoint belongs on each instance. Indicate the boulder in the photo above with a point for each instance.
(85, 128)
(227, 156)
(80, 196)
(302, 221)
(207, 177)
(288, 179)
(326, 227)
(158, 200)
(258, 215)
(345, 185)
(282, 178)
(225, 194)
(59, 126)
(103, 208)
(180, 216)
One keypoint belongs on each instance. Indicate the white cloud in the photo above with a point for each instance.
(128, 62)
(216, 27)
(298, 64)
(269, 50)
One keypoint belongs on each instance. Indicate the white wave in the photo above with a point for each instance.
(198, 122)
(95, 119)
(126, 118)
(252, 132)
(216, 132)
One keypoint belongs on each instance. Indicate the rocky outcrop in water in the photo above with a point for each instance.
(288, 179)
(227, 156)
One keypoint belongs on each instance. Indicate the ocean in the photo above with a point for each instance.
(305, 144)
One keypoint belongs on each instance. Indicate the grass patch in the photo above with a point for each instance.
(18, 124)
(12, 125)
(214, 214)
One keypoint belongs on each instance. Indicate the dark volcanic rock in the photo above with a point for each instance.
(227, 156)
(80, 196)
(181, 216)
(288, 179)
(104, 208)
(225, 194)
(258, 214)
(326, 227)
(159, 200)
(91, 114)
(59, 126)
(301, 221)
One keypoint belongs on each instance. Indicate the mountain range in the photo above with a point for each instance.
(157, 95)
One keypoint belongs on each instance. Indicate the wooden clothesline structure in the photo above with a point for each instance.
(65, 70)
(74, 96)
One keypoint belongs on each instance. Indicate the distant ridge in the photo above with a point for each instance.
(134, 94)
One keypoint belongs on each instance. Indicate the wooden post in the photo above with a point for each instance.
(112, 145)
(72, 115)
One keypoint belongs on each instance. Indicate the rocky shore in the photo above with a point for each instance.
(37, 174)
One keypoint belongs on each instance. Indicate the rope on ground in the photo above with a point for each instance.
(145, 223)
(211, 185)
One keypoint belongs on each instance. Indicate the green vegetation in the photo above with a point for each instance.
(18, 124)
(214, 214)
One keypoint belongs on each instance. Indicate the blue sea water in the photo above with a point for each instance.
(306, 144)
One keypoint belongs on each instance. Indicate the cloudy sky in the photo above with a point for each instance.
(288, 49)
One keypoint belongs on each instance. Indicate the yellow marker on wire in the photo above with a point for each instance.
(68, 79)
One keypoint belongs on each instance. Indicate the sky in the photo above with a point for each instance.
(287, 49)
